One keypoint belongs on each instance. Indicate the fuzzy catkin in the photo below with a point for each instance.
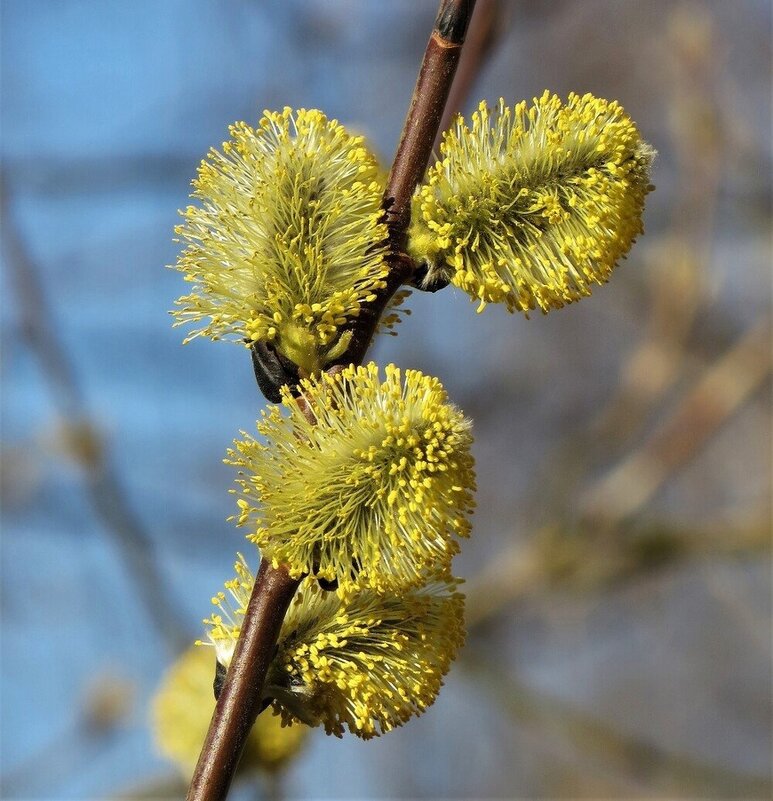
(375, 493)
(530, 206)
(287, 239)
(365, 664)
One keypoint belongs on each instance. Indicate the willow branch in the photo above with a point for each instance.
(425, 113)
(426, 110)
(241, 696)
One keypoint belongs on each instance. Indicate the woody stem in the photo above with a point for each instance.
(240, 698)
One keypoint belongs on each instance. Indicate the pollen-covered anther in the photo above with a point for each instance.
(374, 493)
(530, 206)
(287, 240)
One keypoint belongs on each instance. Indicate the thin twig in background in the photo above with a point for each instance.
(717, 395)
(676, 285)
(590, 560)
(629, 486)
(589, 557)
(241, 696)
(600, 743)
(107, 496)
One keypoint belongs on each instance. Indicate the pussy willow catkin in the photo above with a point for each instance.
(287, 240)
(375, 493)
(531, 205)
(367, 663)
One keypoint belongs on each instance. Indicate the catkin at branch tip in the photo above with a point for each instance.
(529, 206)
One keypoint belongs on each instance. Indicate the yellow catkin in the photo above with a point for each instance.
(183, 705)
(530, 206)
(287, 240)
(366, 664)
(374, 494)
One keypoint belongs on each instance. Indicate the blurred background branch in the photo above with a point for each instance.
(637, 767)
(720, 391)
(83, 443)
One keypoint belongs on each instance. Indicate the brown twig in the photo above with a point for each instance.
(426, 110)
(241, 695)
(483, 33)
(240, 699)
(433, 85)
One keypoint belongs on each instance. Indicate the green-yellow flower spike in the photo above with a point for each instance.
(366, 664)
(183, 705)
(374, 493)
(532, 205)
(287, 241)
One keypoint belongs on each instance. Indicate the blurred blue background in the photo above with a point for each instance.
(619, 566)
